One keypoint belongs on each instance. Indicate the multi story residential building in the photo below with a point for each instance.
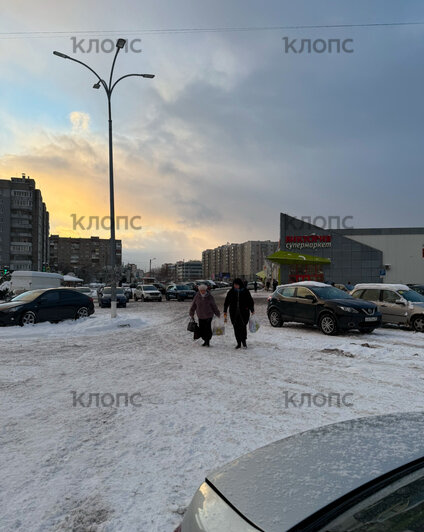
(87, 257)
(24, 225)
(237, 260)
(188, 270)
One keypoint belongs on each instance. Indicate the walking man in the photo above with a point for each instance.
(240, 303)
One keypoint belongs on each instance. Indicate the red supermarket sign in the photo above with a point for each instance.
(308, 241)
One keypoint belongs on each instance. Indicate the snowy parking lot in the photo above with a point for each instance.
(66, 466)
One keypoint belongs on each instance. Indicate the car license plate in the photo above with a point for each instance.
(374, 318)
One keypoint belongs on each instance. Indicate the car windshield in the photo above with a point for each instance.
(411, 295)
(329, 292)
(182, 287)
(28, 296)
(149, 288)
(107, 291)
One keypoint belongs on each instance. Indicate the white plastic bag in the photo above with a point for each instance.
(253, 324)
(218, 327)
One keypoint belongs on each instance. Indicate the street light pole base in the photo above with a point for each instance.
(113, 313)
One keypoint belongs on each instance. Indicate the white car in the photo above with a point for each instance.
(147, 292)
(397, 303)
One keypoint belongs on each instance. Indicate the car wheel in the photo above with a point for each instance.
(160, 299)
(365, 330)
(142, 299)
(418, 323)
(167, 298)
(28, 318)
(82, 312)
(275, 318)
(135, 298)
(124, 305)
(328, 324)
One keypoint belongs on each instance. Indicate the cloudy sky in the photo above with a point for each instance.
(231, 132)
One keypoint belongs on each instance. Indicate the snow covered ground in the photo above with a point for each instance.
(135, 468)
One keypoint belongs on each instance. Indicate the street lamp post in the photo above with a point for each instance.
(120, 43)
(150, 267)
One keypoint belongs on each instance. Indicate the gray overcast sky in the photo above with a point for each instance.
(231, 132)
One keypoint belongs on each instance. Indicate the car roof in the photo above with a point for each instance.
(279, 485)
(304, 283)
(382, 286)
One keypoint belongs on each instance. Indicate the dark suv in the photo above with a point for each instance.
(331, 309)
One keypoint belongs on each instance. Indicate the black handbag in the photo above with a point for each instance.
(192, 326)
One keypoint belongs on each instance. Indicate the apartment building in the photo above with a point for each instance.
(24, 225)
(237, 260)
(84, 256)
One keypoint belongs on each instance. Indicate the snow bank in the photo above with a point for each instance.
(93, 325)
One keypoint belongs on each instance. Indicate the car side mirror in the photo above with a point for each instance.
(311, 298)
(400, 302)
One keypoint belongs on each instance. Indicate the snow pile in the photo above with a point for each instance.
(93, 325)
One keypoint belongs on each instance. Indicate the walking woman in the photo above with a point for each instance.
(240, 303)
(205, 307)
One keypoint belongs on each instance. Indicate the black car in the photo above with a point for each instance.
(161, 287)
(331, 309)
(105, 298)
(180, 292)
(48, 304)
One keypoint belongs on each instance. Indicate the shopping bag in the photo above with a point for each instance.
(192, 325)
(218, 327)
(253, 324)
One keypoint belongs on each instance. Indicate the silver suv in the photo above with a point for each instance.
(147, 292)
(397, 303)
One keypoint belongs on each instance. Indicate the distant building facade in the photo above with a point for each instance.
(237, 260)
(87, 257)
(24, 225)
(188, 270)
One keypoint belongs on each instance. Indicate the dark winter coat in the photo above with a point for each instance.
(205, 307)
(239, 302)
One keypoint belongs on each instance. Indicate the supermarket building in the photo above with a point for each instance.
(310, 252)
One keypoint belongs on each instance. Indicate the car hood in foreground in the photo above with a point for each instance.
(279, 485)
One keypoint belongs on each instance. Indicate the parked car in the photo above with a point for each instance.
(105, 298)
(207, 283)
(222, 284)
(418, 288)
(84, 290)
(147, 292)
(127, 291)
(180, 292)
(363, 474)
(48, 304)
(331, 309)
(397, 303)
(251, 285)
(161, 287)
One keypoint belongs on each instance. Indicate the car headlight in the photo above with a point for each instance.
(348, 309)
(13, 309)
